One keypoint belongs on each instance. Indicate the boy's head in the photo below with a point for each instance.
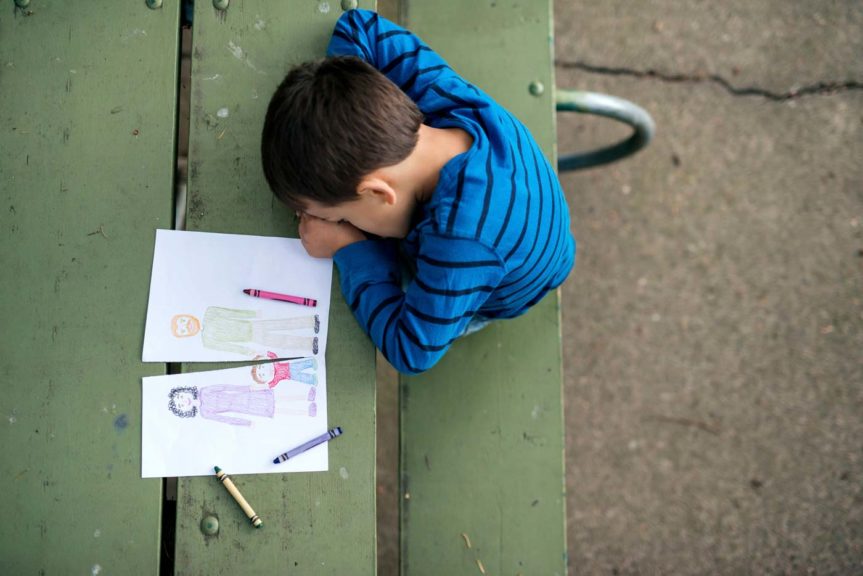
(329, 124)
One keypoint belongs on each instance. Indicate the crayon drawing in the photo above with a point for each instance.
(235, 404)
(198, 311)
(237, 331)
(300, 370)
(240, 417)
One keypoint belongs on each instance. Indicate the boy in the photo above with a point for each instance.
(387, 153)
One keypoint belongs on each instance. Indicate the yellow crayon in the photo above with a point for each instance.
(229, 486)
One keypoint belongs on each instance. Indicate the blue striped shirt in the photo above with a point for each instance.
(493, 239)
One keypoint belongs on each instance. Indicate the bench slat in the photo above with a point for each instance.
(482, 432)
(87, 101)
(315, 523)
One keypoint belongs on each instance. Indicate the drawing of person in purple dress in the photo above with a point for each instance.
(222, 402)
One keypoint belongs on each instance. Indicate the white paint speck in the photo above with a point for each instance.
(223, 113)
(323, 7)
(97, 533)
(12, 419)
(96, 569)
(343, 472)
(136, 33)
(535, 412)
(213, 77)
(655, 317)
(260, 24)
(238, 53)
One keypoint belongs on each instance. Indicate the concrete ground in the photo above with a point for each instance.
(713, 326)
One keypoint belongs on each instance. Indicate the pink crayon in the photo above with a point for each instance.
(281, 297)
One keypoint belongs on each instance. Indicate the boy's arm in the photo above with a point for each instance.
(414, 329)
(394, 51)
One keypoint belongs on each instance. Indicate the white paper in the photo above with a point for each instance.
(238, 424)
(197, 310)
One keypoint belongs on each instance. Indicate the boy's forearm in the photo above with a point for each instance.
(322, 239)
(413, 329)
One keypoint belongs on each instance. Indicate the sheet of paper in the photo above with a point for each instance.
(197, 310)
(233, 419)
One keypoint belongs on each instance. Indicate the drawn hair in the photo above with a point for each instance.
(255, 375)
(172, 404)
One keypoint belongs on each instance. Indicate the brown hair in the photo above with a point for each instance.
(330, 123)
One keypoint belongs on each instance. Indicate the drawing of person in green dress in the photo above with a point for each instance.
(236, 331)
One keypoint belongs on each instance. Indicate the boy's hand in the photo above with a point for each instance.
(322, 239)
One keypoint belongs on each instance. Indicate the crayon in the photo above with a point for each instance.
(229, 486)
(311, 302)
(334, 433)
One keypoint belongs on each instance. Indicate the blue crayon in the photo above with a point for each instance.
(337, 431)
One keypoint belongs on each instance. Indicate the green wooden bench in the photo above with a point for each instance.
(88, 98)
(86, 170)
(482, 472)
(482, 438)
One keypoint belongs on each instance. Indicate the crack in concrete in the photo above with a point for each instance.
(819, 88)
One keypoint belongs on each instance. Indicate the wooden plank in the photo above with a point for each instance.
(87, 101)
(315, 523)
(482, 432)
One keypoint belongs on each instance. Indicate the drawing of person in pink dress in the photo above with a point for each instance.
(300, 370)
(223, 402)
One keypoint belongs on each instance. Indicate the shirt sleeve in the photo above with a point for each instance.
(415, 327)
(397, 53)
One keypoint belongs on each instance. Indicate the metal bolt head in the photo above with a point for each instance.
(22, 3)
(349, 5)
(221, 4)
(153, 4)
(210, 525)
(536, 88)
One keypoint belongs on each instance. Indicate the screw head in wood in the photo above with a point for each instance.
(210, 525)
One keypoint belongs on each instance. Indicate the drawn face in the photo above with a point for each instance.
(263, 373)
(185, 325)
(185, 401)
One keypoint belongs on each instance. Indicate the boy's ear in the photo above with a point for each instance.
(373, 186)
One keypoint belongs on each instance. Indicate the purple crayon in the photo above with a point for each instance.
(335, 432)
